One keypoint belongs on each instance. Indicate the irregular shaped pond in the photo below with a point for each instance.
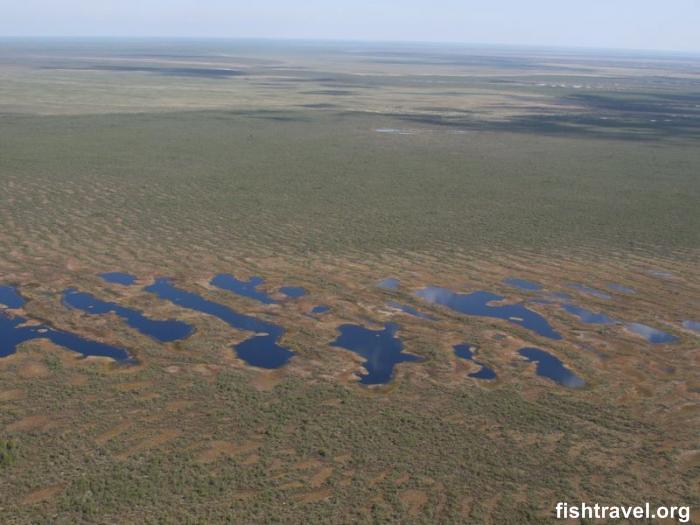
(552, 368)
(389, 284)
(293, 291)
(465, 352)
(523, 284)
(12, 334)
(163, 331)
(692, 325)
(10, 297)
(125, 279)
(591, 291)
(587, 316)
(477, 304)
(652, 335)
(245, 288)
(258, 351)
(409, 310)
(381, 349)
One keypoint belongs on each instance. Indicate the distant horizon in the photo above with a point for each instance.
(321, 40)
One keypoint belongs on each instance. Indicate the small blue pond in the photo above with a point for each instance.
(587, 316)
(10, 297)
(692, 325)
(552, 368)
(260, 350)
(247, 288)
(622, 289)
(125, 279)
(477, 304)
(12, 334)
(163, 331)
(591, 291)
(522, 284)
(465, 352)
(409, 310)
(381, 349)
(652, 335)
(320, 309)
(389, 284)
(293, 291)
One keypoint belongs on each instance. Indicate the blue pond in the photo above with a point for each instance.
(293, 291)
(652, 335)
(477, 304)
(320, 309)
(381, 349)
(587, 316)
(260, 350)
(591, 291)
(552, 368)
(620, 288)
(409, 310)
(247, 288)
(125, 279)
(692, 325)
(163, 331)
(12, 334)
(389, 284)
(523, 284)
(10, 297)
(465, 352)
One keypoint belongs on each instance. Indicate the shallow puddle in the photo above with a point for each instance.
(163, 331)
(259, 350)
(477, 304)
(622, 289)
(381, 349)
(523, 284)
(389, 284)
(551, 367)
(12, 334)
(652, 335)
(587, 316)
(320, 309)
(293, 291)
(464, 351)
(10, 297)
(243, 288)
(591, 291)
(692, 325)
(125, 279)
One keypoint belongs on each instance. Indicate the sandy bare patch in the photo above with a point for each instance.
(33, 370)
(39, 495)
(12, 395)
(161, 438)
(314, 496)
(414, 500)
(320, 477)
(112, 433)
(28, 423)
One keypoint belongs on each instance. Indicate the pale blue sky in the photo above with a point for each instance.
(631, 24)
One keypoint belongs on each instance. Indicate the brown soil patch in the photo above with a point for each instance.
(112, 433)
(414, 500)
(28, 423)
(251, 460)
(218, 449)
(314, 496)
(12, 395)
(266, 381)
(159, 439)
(39, 495)
(176, 406)
(33, 370)
(308, 464)
(78, 380)
(321, 477)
